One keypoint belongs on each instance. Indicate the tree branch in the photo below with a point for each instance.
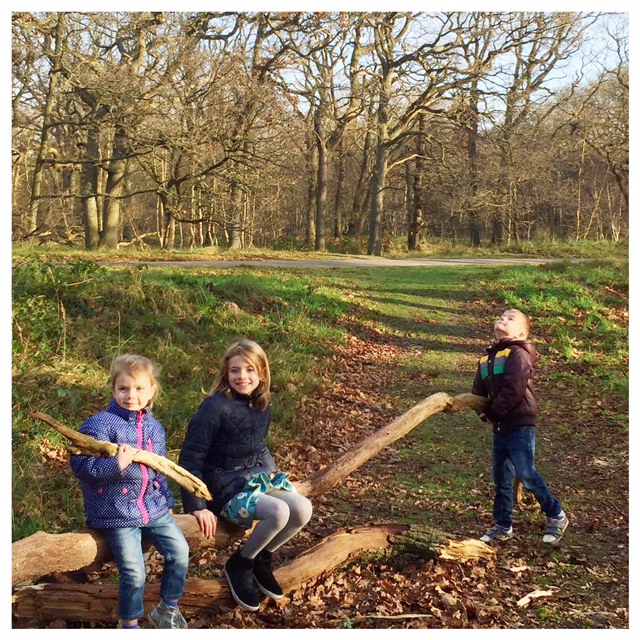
(88, 446)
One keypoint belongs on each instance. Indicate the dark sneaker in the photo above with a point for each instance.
(166, 617)
(555, 529)
(239, 574)
(497, 534)
(263, 574)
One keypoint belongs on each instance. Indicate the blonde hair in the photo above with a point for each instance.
(130, 363)
(253, 353)
(525, 321)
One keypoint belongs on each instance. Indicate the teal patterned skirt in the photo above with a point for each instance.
(241, 509)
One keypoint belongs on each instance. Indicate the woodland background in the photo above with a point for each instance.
(341, 131)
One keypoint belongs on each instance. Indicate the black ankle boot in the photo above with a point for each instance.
(263, 574)
(239, 573)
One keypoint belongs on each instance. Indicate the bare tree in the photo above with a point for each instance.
(279, 128)
(542, 42)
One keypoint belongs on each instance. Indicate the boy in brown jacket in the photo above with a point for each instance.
(504, 377)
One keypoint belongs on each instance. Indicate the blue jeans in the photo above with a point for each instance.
(513, 456)
(126, 545)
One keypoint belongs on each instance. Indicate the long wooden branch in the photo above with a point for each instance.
(322, 481)
(37, 555)
(88, 446)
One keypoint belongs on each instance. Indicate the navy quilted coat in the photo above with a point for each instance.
(224, 446)
(129, 498)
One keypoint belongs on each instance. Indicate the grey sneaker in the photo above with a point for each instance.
(166, 617)
(555, 528)
(498, 534)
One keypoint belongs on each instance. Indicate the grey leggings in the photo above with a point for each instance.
(281, 514)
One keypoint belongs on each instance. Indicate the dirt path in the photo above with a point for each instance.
(343, 262)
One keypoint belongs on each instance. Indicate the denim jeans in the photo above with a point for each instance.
(126, 545)
(513, 456)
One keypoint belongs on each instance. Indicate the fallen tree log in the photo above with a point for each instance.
(41, 554)
(98, 602)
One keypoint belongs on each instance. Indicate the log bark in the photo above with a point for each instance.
(98, 602)
(42, 554)
(38, 555)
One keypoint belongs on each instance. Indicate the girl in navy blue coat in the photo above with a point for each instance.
(127, 500)
(225, 447)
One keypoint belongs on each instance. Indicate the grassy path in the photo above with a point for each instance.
(411, 334)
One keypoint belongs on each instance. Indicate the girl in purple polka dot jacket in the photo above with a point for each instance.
(127, 500)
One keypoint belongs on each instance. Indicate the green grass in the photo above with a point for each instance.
(582, 311)
(394, 248)
(69, 321)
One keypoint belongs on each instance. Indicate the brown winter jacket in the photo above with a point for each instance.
(504, 376)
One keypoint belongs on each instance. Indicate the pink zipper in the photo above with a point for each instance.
(145, 472)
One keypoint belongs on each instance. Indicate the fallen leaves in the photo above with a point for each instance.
(538, 593)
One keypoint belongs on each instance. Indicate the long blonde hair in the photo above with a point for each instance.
(253, 353)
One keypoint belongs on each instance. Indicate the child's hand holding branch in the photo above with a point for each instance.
(125, 455)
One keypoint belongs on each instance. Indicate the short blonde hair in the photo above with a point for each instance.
(130, 363)
(253, 353)
(525, 320)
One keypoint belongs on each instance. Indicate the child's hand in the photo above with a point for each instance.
(125, 455)
(207, 521)
(482, 417)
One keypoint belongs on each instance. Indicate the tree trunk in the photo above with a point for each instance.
(99, 602)
(362, 191)
(236, 216)
(169, 223)
(416, 205)
(472, 156)
(89, 187)
(116, 172)
(338, 227)
(321, 182)
(379, 179)
(374, 247)
(310, 213)
(43, 150)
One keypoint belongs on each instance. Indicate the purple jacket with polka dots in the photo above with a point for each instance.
(129, 498)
